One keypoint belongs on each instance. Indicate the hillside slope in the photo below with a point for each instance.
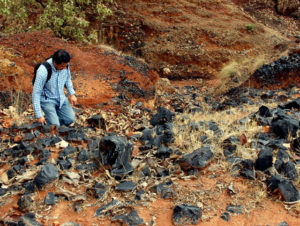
(180, 40)
(196, 39)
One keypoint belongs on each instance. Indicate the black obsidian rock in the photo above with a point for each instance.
(225, 216)
(264, 111)
(83, 156)
(286, 188)
(185, 214)
(50, 199)
(24, 202)
(289, 170)
(139, 195)
(198, 159)
(126, 186)
(2, 191)
(47, 174)
(247, 169)
(162, 116)
(88, 167)
(64, 164)
(97, 121)
(76, 136)
(264, 160)
(99, 190)
(28, 219)
(164, 152)
(116, 152)
(292, 104)
(283, 126)
(288, 191)
(132, 218)
(67, 151)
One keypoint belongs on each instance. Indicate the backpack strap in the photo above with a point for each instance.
(49, 70)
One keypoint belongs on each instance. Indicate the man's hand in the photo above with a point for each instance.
(73, 100)
(42, 120)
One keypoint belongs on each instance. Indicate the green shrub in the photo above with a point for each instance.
(250, 27)
(15, 14)
(66, 18)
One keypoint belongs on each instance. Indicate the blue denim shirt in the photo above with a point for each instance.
(53, 90)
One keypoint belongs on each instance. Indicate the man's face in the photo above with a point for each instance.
(60, 66)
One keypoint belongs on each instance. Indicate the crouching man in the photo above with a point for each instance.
(48, 91)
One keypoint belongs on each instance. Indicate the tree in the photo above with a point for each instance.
(14, 15)
(67, 18)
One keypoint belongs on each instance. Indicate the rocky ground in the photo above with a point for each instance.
(219, 146)
(190, 161)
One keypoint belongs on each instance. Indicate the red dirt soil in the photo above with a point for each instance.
(94, 70)
(270, 212)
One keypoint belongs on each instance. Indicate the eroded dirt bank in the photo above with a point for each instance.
(98, 74)
(196, 39)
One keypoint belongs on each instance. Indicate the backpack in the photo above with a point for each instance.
(49, 70)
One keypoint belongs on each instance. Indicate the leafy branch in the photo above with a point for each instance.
(68, 18)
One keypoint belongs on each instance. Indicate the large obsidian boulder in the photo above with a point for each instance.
(116, 153)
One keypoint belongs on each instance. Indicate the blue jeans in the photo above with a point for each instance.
(56, 116)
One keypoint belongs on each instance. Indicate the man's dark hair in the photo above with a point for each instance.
(61, 56)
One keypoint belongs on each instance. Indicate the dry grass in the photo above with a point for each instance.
(240, 70)
(7, 53)
(188, 140)
(17, 110)
(111, 49)
(266, 3)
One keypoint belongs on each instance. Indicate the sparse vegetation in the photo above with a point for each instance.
(188, 138)
(250, 27)
(237, 72)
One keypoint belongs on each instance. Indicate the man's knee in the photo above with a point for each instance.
(69, 119)
(50, 114)
(52, 119)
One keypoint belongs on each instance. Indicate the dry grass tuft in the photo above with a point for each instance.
(112, 50)
(108, 48)
(188, 139)
(237, 72)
